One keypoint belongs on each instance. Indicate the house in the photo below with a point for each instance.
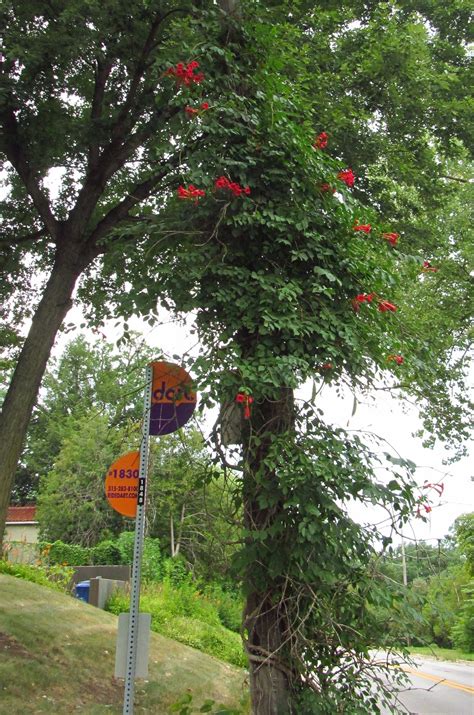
(21, 525)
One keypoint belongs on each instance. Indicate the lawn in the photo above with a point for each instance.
(57, 656)
(441, 653)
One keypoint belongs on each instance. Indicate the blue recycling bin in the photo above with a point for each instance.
(82, 590)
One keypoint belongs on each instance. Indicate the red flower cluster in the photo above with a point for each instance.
(396, 358)
(384, 305)
(364, 297)
(192, 111)
(347, 177)
(428, 268)
(185, 73)
(365, 227)
(190, 193)
(327, 187)
(246, 400)
(327, 366)
(321, 141)
(392, 238)
(223, 183)
(439, 489)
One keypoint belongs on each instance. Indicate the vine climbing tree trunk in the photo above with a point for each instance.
(265, 622)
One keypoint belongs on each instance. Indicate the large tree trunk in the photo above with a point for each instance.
(23, 391)
(264, 615)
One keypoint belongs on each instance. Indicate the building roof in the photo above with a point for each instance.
(21, 515)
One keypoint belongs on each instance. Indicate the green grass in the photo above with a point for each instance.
(441, 653)
(57, 656)
(187, 616)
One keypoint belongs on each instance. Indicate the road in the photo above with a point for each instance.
(438, 688)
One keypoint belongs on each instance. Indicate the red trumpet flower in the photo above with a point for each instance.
(392, 238)
(246, 400)
(347, 176)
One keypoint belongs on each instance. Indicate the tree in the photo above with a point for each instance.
(71, 500)
(285, 288)
(85, 93)
(87, 380)
(287, 284)
(191, 505)
(463, 629)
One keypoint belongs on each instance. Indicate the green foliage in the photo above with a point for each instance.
(59, 552)
(183, 613)
(463, 629)
(175, 571)
(106, 552)
(54, 576)
(185, 706)
(272, 277)
(89, 379)
(433, 609)
(464, 534)
(229, 605)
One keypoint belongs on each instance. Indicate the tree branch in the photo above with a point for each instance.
(17, 157)
(140, 70)
(113, 158)
(120, 211)
(102, 75)
(23, 239)
(456, 178)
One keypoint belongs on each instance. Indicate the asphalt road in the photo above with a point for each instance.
(438, 688)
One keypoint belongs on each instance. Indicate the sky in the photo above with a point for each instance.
(379, 413)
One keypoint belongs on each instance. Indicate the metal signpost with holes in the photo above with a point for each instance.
(169, 402)
(137, 552)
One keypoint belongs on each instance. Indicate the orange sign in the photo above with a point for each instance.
(172, 399)
(121, 484)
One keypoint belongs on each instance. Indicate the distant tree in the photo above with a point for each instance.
(71, 502)
(192, 507)
(463, 629)
(87, 379)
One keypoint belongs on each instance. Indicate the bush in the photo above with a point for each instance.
(463, 630)
(187, 616)
(70, 554)
(106, 553)
(151, 559)
(175, 571)
(125, 546)
(56, 576)
(229, 605)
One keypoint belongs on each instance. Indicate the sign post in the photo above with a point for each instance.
(169, 402)
(137, 551)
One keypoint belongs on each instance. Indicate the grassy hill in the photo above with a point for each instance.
(57, 656)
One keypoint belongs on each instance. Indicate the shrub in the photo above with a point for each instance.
(463, 629)
(56, 576)
(60, 553)
(229, 605)
(125, 546)
(175, 571)
(152, 569)
(187, 616)
(106, 553)
(151, 558)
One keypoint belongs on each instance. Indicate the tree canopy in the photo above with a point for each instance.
(298, 153)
